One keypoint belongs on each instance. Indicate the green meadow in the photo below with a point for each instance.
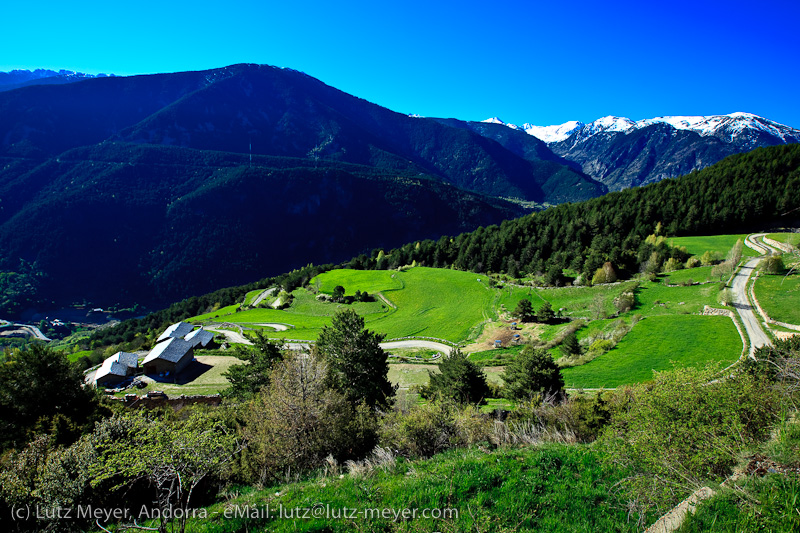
(655, 343)
(454, 305)
(720, 244)
(788, 238)
(780, 297)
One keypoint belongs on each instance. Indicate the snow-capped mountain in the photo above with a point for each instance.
(620, 152)
(728, 128)
(22, 78)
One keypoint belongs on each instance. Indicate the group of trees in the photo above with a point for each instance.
(532, 374)
(524, 311)
(739, 192)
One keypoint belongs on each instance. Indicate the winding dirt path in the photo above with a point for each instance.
(264, 294)
(752, 324)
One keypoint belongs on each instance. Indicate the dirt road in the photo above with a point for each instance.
(752, 323)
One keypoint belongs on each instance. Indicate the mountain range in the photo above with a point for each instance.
(148, 189)
(24, 78)
(173, 184)
(622, 153)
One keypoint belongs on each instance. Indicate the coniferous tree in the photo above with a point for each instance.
(532, 372)
(458, 379)
(570, 346)
(358, 364)
(248, 379)
(545, 313)
(524, 310)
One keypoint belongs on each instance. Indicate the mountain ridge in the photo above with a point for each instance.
(622, 153)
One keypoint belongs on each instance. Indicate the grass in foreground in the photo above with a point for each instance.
(780, 297)
(653, 344)
(768, 503)
(552, 488)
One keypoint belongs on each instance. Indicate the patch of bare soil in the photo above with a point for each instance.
(502, 331)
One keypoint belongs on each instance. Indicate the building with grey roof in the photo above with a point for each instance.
(176, 331)
(170, 356)
(201, 337)
(116, 368)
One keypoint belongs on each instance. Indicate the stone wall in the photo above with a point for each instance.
(176, 403)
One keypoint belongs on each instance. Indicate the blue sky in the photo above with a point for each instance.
(523, 61)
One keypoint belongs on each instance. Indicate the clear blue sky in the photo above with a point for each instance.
(543, 62)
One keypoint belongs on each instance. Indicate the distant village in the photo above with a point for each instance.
(173, 352)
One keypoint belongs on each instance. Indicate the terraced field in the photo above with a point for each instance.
(455, 305)
(656, 343)
(780, 297)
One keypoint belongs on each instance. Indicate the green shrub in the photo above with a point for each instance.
(423, 431)
(772, 264)
(685, 428)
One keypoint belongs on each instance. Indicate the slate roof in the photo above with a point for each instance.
(199, 337)
(171, 350)
(117, 365)
(176, 331)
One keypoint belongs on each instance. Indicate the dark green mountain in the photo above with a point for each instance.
(141, 189)
(124, 223)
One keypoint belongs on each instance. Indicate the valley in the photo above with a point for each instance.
(568, 328)
(667, 325)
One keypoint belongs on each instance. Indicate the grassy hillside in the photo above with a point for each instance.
(473, 309)
(720, 244)
(552, 488)
(659, 343)
(780, 297)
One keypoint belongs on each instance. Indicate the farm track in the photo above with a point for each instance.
(752, 324)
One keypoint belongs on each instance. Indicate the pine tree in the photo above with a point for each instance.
(532, 372)
(524, 310)
(459, 379)
(358, 364)
(545, 313)
(570, 346)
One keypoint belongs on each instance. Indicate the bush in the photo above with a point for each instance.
(772, 264)
(685, 428)
(422, 432)
(625, 301)
(692, 262)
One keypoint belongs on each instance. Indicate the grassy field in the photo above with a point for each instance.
(77, 355)
(788, 238)
(697, 275)
(446, 304)
(456, 305)
(780, 297)
(655, 298)
(252, 295)
(553, 488)
(576, 301)
(407, 375)
(712, 243)
(653, 344)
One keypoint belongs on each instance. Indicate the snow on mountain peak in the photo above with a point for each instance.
(726, 127)
(551, 134)
(494, 120)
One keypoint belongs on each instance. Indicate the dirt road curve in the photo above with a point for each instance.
(752, 324)
(233, 336)
(412, 343)
(261, 296)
